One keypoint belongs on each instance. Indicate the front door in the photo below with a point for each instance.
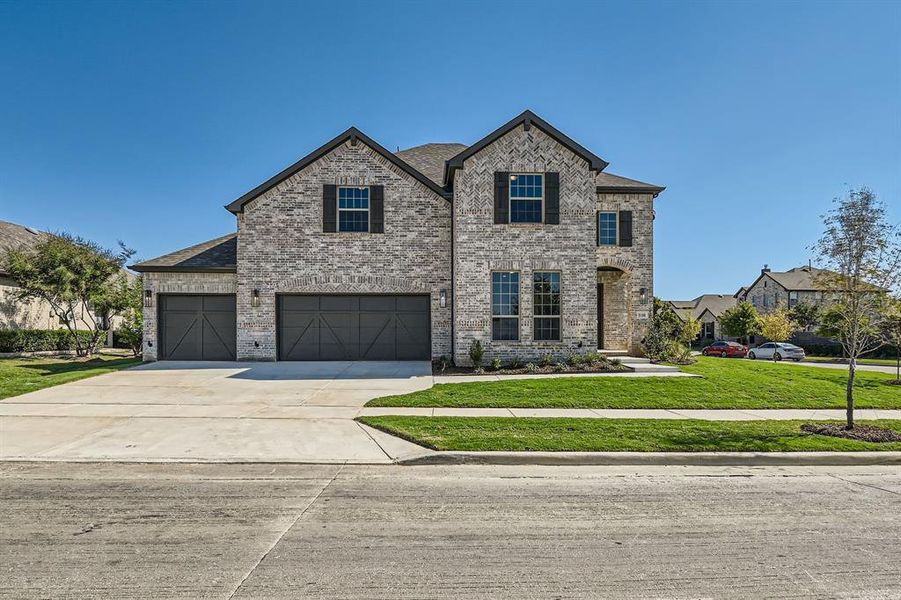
(600, 315)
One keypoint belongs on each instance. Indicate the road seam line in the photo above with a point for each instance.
(289, 528)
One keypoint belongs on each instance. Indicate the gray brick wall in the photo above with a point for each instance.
(178, 283)
(282, 248)
(570, 248)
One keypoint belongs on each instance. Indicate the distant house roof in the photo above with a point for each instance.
(429, 159)
(798, 279)
(218, 255)
(716, 304)
(17, 237)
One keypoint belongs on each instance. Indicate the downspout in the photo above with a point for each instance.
(453, 298)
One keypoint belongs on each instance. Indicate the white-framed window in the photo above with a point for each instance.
(607, 228)
(792, 299)
(505, 305)
(526, 197)
(353, 209)
(546, 306)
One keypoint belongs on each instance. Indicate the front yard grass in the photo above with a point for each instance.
(724, 383)
(23, 375)
(616, 435)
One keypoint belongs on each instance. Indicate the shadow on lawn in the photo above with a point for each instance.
(76, 365)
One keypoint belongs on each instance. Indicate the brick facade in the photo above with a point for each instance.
(570, 247)
(282, 247)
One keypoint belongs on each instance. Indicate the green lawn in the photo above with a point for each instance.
(22, 375)
(616, 435)
(724, 383)
(878, 362)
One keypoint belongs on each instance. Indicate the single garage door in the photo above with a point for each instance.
(197, 327)
(353, 328)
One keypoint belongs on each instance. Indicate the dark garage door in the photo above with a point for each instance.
(353, 328)
(197, 327)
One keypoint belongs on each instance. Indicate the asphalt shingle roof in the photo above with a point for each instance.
(218, 254)
(17, 237)
(429, 159)
(604, 179)
(717, 304)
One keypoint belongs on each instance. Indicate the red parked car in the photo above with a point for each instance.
(725, 350)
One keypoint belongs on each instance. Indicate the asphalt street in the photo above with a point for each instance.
(84, 530)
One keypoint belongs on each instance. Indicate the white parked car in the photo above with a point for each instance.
(777, 351)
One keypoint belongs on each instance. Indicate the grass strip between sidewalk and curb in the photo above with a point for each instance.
(723, 383)
(23, 375)
(617, 435)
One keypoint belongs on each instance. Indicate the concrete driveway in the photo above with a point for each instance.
(199, 411)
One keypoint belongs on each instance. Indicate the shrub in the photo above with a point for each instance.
(574, 360)
(546, 360)
(516, 364)
(496, 364)
(476, 353)
(532, 367)
(39, 340)
(441, 363)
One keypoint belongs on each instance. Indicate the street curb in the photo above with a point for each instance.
(808, 459)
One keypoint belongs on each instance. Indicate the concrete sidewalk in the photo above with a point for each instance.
(627, 413)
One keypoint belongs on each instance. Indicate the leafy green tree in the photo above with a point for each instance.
(776, 327)
(806, 315)
(691, 329)
(862, 252)
(662, 341)
(741, 321)
(77, 278)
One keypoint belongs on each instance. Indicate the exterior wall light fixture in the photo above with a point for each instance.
(643, 295)
(442, 298)
(255, 298)
(148, 298)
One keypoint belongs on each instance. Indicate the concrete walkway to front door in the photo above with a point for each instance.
(200, 411)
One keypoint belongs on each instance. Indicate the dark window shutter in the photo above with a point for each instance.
(625, 228)
(552, 198)
(376, 209)
(329, 208)
(501, 197)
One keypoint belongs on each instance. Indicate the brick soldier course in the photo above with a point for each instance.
(433, 231)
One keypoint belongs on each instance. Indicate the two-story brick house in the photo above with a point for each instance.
(521, 240)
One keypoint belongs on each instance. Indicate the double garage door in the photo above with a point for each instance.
(353, 328)
(324, 327)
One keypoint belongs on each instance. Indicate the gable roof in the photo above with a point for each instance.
(429, 159)
(217, 255)
(528, 119)
(353, 135)
(715, 304)
(17, 237)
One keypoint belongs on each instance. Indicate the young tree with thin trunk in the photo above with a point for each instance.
(893, 333)
(776, 327)
(862, 253)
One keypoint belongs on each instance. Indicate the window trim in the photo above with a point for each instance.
(559, 316)
(518, 316)
(510, 199)
(615, 214)
(367, 210)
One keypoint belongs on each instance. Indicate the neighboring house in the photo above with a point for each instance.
(28, 314)
(782, 290)
(521, 241)
(707, 309)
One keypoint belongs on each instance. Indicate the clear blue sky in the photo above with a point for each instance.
(140, 120)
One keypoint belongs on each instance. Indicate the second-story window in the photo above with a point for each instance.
(526, 198)
(353, 209)
(607, 228)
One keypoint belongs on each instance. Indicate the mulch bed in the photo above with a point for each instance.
(539, 370)
(861, 433)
